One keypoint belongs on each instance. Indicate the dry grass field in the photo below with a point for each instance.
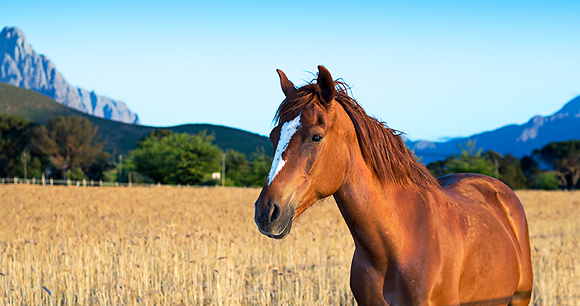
(200, 246)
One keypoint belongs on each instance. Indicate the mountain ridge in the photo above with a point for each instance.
(122, 137)
(515, 139)
(22, 66)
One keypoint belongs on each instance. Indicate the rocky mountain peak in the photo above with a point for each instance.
(13, 42)
(21, 66)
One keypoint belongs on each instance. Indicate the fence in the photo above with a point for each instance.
(84, 183)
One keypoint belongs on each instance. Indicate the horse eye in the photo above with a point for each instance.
(317, 138)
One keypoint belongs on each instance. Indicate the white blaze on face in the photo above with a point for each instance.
(288, 129)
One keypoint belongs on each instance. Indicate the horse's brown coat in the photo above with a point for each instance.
(459, 240)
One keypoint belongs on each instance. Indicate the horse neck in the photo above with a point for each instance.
(379, 215)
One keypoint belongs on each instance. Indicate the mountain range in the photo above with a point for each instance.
(21, 66)
(517, 140)
(122, 137)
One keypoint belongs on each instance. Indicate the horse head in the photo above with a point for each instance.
(310, 156)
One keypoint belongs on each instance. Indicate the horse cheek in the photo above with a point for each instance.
(334, 168)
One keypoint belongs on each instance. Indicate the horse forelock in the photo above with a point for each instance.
(304, 96)
(382, 148)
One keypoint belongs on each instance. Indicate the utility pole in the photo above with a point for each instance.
(24, 157)
(120, 166)
(223, 170)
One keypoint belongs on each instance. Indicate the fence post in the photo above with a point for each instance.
(43, 180)
(15, 180)
(84, 182)
(51, 181)
(33, 181)
(100, 183)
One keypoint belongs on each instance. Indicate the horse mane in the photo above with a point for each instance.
(382, 148)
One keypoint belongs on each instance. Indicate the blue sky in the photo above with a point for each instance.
(431, 70)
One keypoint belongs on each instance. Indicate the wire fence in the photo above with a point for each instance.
(86, 183)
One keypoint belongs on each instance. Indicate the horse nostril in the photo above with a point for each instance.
(275, 212)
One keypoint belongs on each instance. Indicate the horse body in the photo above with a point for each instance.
(461, 240)
(435, 248)
(416, 246)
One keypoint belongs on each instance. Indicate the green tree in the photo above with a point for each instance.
(546, 181)
(564, 158)
(508, 168)
(469, 160)
(258, 169)
(176, 158)
(511, 172)
(15, 148)
(157, 134)
(531, 170)
(236, 167)
(439, 168)
(496, 160)
(72, 145)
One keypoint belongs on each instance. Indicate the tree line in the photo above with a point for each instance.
(62, 148)
(179, 158)
(71, 148)
(554, 166)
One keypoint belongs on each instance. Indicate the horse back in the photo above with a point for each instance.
(499, 197)
(491, 192)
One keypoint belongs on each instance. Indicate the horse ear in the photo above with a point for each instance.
(325, 85)
(287, 87)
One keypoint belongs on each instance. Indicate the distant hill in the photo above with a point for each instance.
(518, 140)
(121, 137)
(21, 66)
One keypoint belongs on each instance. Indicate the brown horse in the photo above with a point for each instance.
(458, 240)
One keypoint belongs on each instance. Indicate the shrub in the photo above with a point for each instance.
(546, 181)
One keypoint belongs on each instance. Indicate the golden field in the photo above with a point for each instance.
(199, 246)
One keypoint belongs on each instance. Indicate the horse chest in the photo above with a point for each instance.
(384, 282)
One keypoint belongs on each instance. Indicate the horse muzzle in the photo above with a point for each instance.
(272, 220)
